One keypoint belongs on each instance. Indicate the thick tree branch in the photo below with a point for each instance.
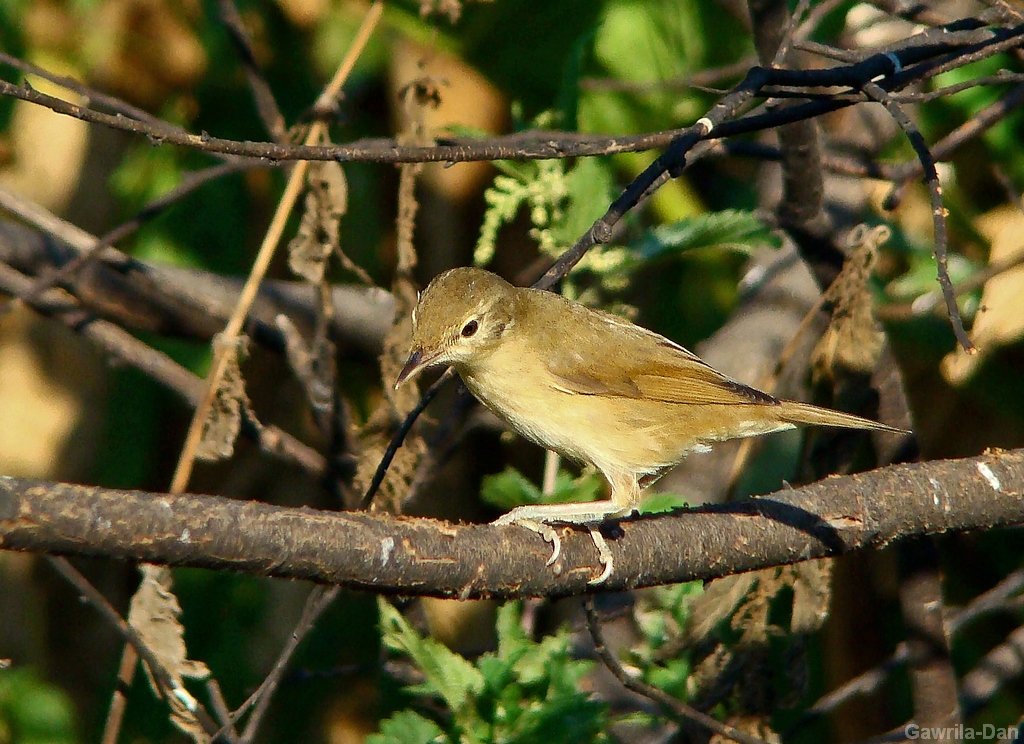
(192, 303)
(425, 557)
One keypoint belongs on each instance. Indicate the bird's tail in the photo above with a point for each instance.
(793, 412)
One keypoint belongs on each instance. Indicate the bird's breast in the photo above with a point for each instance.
(611, 433)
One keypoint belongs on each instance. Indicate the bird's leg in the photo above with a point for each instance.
(539, 517)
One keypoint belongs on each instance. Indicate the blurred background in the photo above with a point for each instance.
(699, 262)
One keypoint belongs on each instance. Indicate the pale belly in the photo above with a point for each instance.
(614, 434)
(618, 435)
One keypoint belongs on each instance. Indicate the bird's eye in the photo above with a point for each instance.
(470, 328)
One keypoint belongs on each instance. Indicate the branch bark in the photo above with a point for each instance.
(426, 557)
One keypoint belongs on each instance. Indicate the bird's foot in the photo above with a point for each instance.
(538, 518)
(544, 530)
(604, 554)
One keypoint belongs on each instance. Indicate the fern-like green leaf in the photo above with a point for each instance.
(447, 674)
(730, 228)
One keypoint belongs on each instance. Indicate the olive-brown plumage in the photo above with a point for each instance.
(590, 386)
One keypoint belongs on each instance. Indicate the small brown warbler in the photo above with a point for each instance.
(591, 386)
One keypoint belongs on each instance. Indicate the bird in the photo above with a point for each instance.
(591, 386)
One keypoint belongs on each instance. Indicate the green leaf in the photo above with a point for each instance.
(447, 674)
(731, 228)
(568, 489)
(512, 639)
(407, 727)
(510, 488)
(656, 503)
(33, 710)
(563, 720)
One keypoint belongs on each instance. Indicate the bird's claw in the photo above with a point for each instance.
(551, 537)
(604, 554)
(546, 531)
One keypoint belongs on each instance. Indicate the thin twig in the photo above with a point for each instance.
(939, 212)
(683, 714)
(168, 687)
(119, 698)
(926, 303)
(945, 42)
(266, 105)
(263, 258)
(318, 600)
(399, 436)
(93, 95)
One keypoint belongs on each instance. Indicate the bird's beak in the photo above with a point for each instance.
(416, 362)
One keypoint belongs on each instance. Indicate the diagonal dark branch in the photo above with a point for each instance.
(999, 597)
(189, 183)
(939, 212)
(191, 303)
(163, 677)
(121, 345)
(683, 714)
(316, 603)
(266, 105)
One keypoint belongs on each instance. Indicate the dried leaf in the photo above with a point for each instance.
(754, 726)
(320, 228)
(1000, 318)
(853, 341)
(314, 370)
(751, 616)
(812, 593)
(154, 614)
(374, 436)
(225, 418)
(716, 603)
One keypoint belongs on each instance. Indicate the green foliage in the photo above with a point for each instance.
(561, 204)
(407, 727)
(644, 43)
(524, 692)
(661, 618)
(730, 229)
(447, 674)
(657, 502)
(32, 711)
(510, 488)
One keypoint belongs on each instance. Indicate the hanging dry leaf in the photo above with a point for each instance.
(716, 603)
(154, 615)
(745, 600)
(320, 228)
(225, 418)
(754, 726)
(374, 437)
(853, 341)
(812, 593)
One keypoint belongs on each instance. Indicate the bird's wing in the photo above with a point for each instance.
(645, 366)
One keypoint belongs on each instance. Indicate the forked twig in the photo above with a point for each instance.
(677, 710)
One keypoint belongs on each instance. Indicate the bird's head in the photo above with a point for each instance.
(459, 318)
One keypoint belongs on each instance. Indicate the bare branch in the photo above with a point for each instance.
(427, 557)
